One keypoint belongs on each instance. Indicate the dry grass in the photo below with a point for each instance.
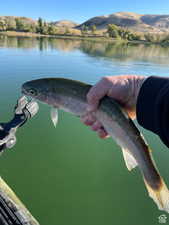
(22, 34)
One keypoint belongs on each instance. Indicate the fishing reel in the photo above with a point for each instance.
(23, 111)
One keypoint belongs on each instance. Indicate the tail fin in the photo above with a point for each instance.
(160, 195)
(129, 159)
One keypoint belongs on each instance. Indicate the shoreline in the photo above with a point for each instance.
(64, 36)
(21, 34)
(61, 36)
(77, 37)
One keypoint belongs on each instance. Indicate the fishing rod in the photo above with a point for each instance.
(23, 111)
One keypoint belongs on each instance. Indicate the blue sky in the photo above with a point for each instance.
(77, 10)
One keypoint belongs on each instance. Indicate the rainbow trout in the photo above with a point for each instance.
(70, 96)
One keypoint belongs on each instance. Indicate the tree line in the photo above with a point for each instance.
(23, 24)
(122, 33)
(126, 34)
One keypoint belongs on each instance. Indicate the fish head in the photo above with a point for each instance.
(44, 90)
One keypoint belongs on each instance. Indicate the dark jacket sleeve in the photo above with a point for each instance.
(152, 108)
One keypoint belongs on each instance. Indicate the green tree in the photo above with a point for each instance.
(93, 29)
(122, 33)
(2, 25)
(10, 23)
(32, 28)
(21, 25)
(85, 29)
(67, 30)
(125, 34)
(44, 28)
(134, 37)
(164, 38)
(149, 37)
(40, 26)
(52, 29)
(18, 24)
(113, 31)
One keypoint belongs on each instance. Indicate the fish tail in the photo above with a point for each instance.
(159, 194)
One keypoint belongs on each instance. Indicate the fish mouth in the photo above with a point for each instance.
(25, 93)
(29, 91)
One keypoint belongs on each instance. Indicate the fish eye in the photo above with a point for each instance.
(33, 92)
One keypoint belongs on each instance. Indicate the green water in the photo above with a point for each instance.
(67, 175)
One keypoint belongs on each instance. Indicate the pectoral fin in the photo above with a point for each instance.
(129, 159)
(54, 116)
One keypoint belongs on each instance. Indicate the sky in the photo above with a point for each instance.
(77, 10)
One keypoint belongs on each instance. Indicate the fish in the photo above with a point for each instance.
(70, 96)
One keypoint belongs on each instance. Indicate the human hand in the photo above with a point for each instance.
(123, 88)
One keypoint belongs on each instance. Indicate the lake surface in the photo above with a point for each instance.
(67, 175)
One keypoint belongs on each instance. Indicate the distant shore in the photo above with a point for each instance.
(73, 37)
(22, 34)
(65, 36)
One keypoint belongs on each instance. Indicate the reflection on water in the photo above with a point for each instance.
(107, 50)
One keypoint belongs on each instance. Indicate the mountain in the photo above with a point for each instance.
(137, 22)
(133, 21)
(65, 23)
(26, 20)
(12, 18)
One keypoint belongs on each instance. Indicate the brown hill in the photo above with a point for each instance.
(26, 20)
(133, 21)
(12, 18)
(65, 23)
(137, 22)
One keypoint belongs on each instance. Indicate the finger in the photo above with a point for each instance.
(88, 119)
(97, 92)
(102, 133)
(96, 126)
